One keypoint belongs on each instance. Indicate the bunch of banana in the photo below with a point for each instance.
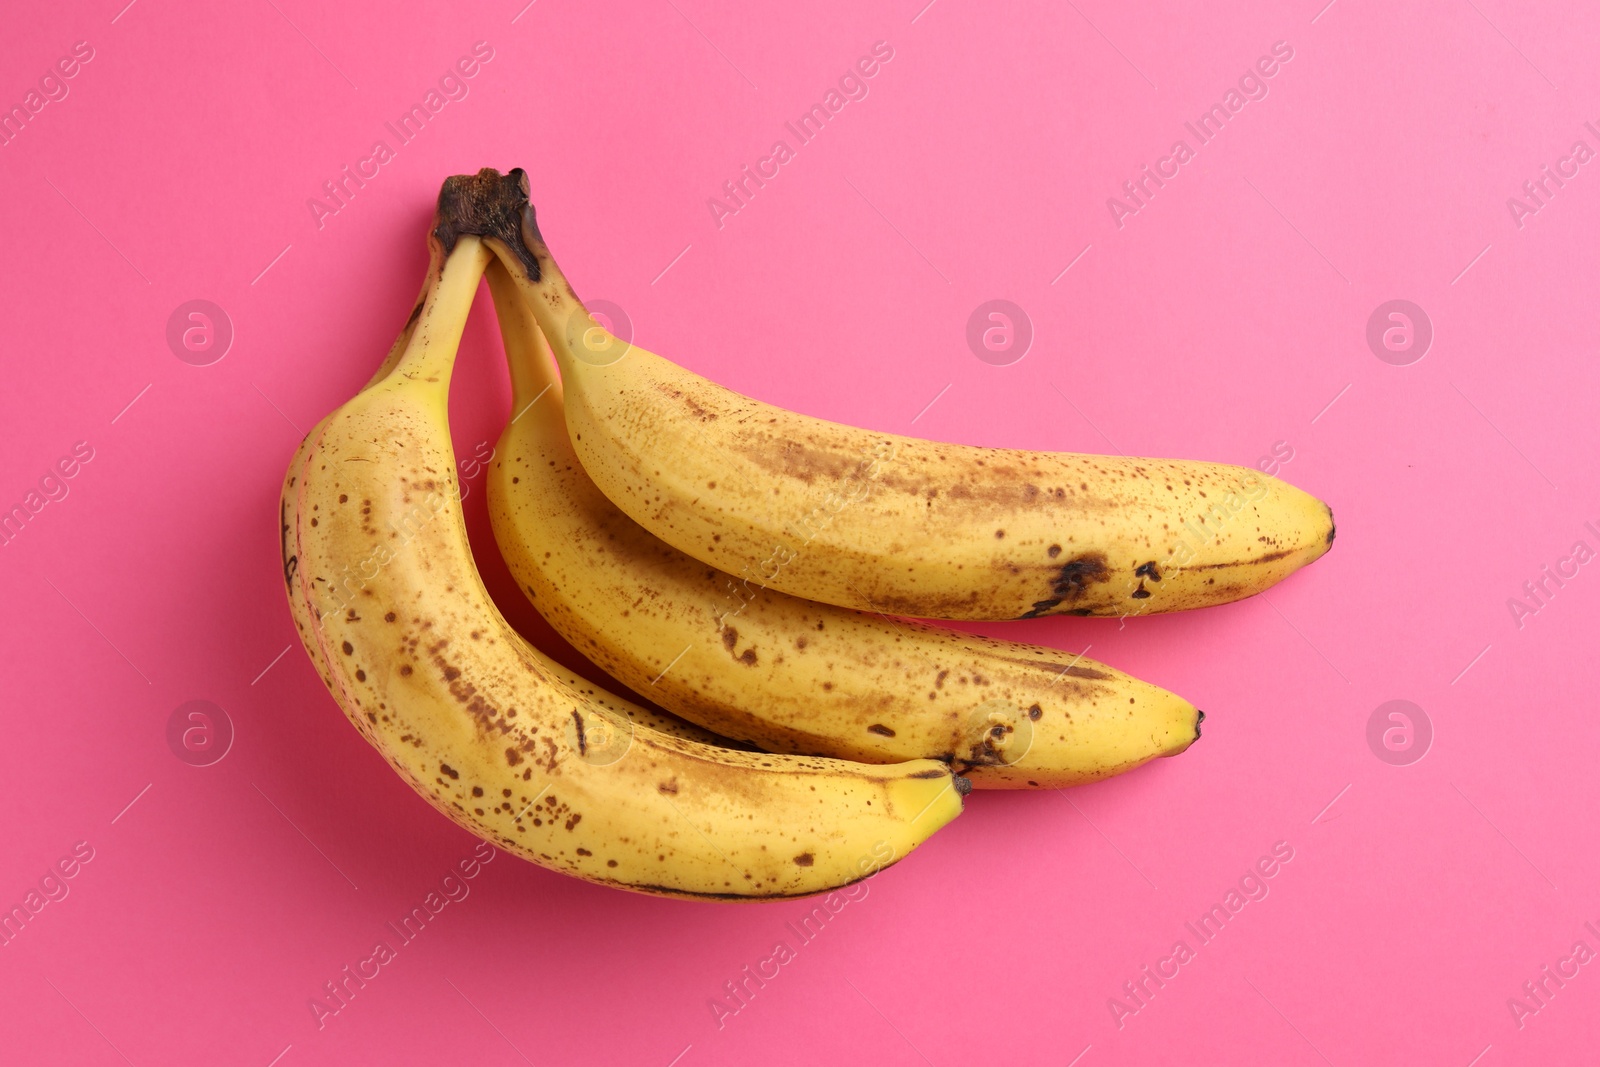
(392, 611)
(731, 562)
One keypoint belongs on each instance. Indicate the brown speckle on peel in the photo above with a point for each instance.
(446, 769)
(583, 744)
(1053, 551)
(513, 757)
(348, 648)
(1034, 712)
(748, 657)
(880, 729)
(1071, 582)
(805, 859)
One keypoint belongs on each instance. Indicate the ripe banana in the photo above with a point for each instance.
(883, 522)
(790, 675)
(305, 619)
(486, 728)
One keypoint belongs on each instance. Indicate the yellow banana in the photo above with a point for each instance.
(883, 522)
(305, 620)
(786, 674)
(485, 727)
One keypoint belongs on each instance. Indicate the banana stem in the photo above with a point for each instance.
(533, 368)
(444, 314)
(398, 349)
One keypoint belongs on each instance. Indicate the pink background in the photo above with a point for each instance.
(1226, 316)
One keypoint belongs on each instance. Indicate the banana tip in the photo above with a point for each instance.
(963, 785)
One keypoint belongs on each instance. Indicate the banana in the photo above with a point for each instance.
(487, 729)
(790, 675)
(883, 522)
(305, 620)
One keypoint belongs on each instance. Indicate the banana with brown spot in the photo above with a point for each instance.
(791, 675)
(304, 619)
(483, 725)
(883, 522)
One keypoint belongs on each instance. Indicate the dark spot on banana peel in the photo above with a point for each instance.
(1270, 557)
(446, 769)
(1148, 570)
(489, 204)
(1071, 582)
(1034, 712)
(880, 729)
(1140, 593)
(748, 657)
(805, 859)
(583, 744)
